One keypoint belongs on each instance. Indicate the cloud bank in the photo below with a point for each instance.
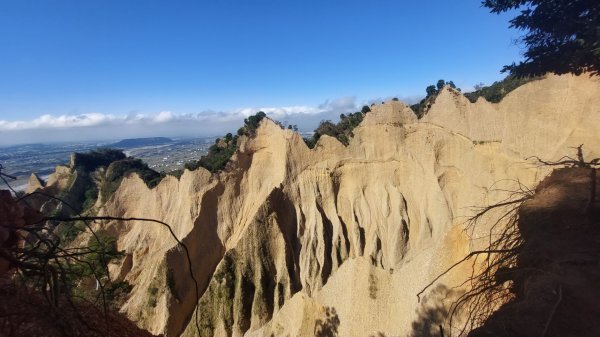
(99, 126)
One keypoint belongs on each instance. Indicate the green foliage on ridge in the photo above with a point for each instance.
(81, 190)
(432, 91)
(91, 182)
(251, 124)
(221, 152)
(117, 170)
(94, 159)
(498, 90)
(342, 131)
(218, 155)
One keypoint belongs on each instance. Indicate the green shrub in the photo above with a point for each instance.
(342, 131)
(119, 169)
(81, 190)
(116, 293)
(498, 90)
(219, 154)
(432, 91)
(176, 173)
(217, 157)
(90, 196)
(251, 123)
(101, 249)
(96, 158)
(68, 231)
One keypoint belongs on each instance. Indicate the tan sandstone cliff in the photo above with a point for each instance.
(339, 240)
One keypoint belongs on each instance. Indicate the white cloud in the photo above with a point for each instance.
(63, 121)
(163, 116)
(85, 120)
(97, 119)
(343, 104)
(98, 126)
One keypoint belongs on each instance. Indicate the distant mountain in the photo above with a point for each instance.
(138, 142)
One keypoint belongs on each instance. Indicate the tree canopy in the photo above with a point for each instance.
(498, 90)
(343, 130)
(223, 149)
(563, 36)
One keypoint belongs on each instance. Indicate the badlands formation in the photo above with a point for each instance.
(335, 240)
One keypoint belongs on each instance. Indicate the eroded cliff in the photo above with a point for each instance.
(294, 241)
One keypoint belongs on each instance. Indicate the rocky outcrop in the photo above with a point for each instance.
(541, 118)
(340, 239)
(34, 183)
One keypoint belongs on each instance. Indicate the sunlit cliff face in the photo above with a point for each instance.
(290, 240)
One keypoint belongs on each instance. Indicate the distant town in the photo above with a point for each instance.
(161, 154)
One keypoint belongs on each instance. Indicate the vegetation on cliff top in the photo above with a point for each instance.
(221, 152)
(94, 159)
(101, 171)
(421, 108)
(218, 155)
(493, 93)
(499, 89)
(342, 131)
(119, 169)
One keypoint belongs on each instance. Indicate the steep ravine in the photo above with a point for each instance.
(293, 241)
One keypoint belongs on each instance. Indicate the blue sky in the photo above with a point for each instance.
(81, 64)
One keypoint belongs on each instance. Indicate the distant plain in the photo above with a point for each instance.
(23, 160)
